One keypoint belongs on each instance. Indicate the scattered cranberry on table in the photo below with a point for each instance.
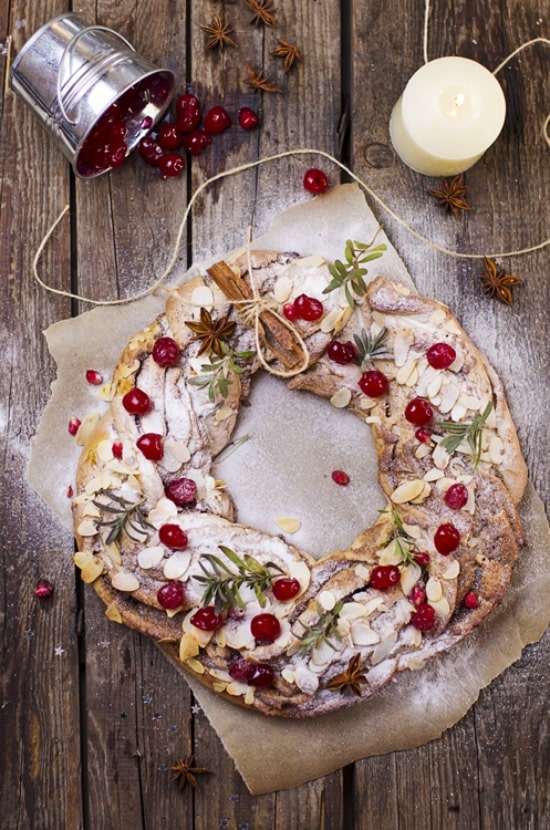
(340, 477)
(93, 377)
(43, 589)
(73, 425)
(315, 181)
(197, 141)
(171, 164)
(248, 120)
(169, 137)
(216, 120)
(188, 113)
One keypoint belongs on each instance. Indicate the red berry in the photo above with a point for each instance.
(315, 181)
(373, 383)
(206, 619)
(172, 164)
(285, 589)
(216, 120)
(308, 308)
(418, 595)
(241, 669)
(248, 119)
(117, 449)
(169, 137)
(446, 539)
(290, 312)
(419, 412)
(423, 435)
(136, 402)
(384, 577)
(471, 600)
(173, 537)
(456, 496)
(182, 491)
(340, 477)
(171, 595)
(260, 675)
(166, 351)
(188, 113)
(422, 558)
(73, 425)
(265, 627)
(70, 491)
(94, 377)
(116, 155)
(424, 618)
(342, 353)
(150, 444)
(43, 589)
(196, 141)
(440, 355)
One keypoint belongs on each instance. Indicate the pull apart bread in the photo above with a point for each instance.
(251, 616)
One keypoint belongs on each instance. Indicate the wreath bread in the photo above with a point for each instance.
(251, 616)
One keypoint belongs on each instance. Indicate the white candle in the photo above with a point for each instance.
(451, 111)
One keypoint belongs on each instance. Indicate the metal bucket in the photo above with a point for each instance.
(76, 77)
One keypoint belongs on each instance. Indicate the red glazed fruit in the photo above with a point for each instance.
(384, 577)
(440, 355)
(419, 412)
(173, 537)
(169, 137)
(182, 491)
(150, 151)
(456, 496)
(373, 383)
(216, 120)
(197, 141)
(422, 435)
(260, 675)
(248, 119)
(172, 164)
(188, 113)
(342, 353)
(315, 181)
(421, 558)
(73, 425)
(265, 627)
(285, 589)
(117, 449)
(446, 539)
(150, 444)
(43, 589)
(424, 617)
(241, 669)
(418, 595)
(290, 312)
(94, 377)
(340, 477)
(166, 351)
(308, 308)
(471, 600)
(206, 619)
(171, 595)
(136, 402)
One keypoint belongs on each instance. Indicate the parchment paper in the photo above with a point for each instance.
(295, 441)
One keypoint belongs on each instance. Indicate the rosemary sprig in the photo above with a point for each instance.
(404, 544)
(349, 274)
(471, 431)
(216, 376)
(222, 584)
(321, 631)
(127, 517)
(371, 347)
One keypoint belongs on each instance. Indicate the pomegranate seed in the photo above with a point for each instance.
(440, 355)
(265, 627)
(260, 675)
(172, 164)
(182, 491)
(94, 377)
(315, 181)
(196, 141)
(285, 589)
(471, 600)
(70, 491)
(171, 595)
(241, 669)
(150, 151)
(308, 308)
(419, 412)
(136, 402)
(173, 537)
(169, 137)
(150, 444)
(188, 113)
(248, 119)
(73, 425)
(44, 589)
(216, 120)
(384, 577)
(340, 477)
(373, 383)
(206, 619)
(166, 351)
(290, 312)
(456, 496)
(423, 435)
(342, 353)
(446, 539)
(117, 449)
(418, 595)
(422, 558)
(424, 617)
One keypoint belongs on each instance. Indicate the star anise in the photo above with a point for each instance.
(289, 52)
(212, 332)
(351, 678)
(451, 195)
(260, 81)
(219, 34)
(497, 283)
(185, 773)
(264, 12)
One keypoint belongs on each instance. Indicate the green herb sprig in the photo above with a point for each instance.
(370, 347)
(127, 517)
(223, 584)
(350, 274)
(216, 376)
(471, 431)
(404, 544)
(321, 631)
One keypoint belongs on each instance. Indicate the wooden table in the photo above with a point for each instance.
(88, 733)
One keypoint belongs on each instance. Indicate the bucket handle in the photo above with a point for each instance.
(68, 51)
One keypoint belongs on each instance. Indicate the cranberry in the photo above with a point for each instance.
(94, 377)
(422, 558)
(446, 539)
(248, 119)
(384, 577)
(241, 669)
(117, 449)
(419, 412)
(182, 491)
(340, 477)
(196, 141)
(285, 589)
(423, 435)
(150, 444)
(471, 600)
(169, 137)
(116, 155)
(136, 401)
(165, 351)
(290, 312)
(342, 353)
(70, 491)
(260, 675)
(206, 619)
(440, 355)
(265, 627)
(315, 181)
(171, 595)
(216, 120)
(43, 589)
(456, 496)
(424, 617)
(150, 151)
(373, 383)
(308, 308)
(418, 595)
(171, 164)
(73, 425)
(188, 113)
(173, 537)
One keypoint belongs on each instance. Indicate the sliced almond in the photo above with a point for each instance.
(422, 451)
(326, 600)
(441, 457)
(176, 566)
(434, 385)
(282, 289)
(437, 317)
(307, 681)
(408, 491)
(202, 297)
(470, 402)
(288, 525)
(113, 552)
(425, 494)
(441, 607)
(126, 370)
(449, 396)
(194, 665)
(341, 398)
(92, 569)
(452, 570)
(434, 591)
(384, 647)
(401, 345)
(112, 613)
(409, 577)
(362, 634)
(329, 321)
(301, 572)
(125, 581)
(496, 449)
(342, 319)
(150, 557)
(405, 373)
(352, 610)
(87, 527)
(288, 674)
(189, 646)
(433, 474)
(86, 428)
(236, 689)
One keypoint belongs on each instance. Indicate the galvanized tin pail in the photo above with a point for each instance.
(83, 82)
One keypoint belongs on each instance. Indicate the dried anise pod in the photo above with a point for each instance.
(264, 12)
(497, 283)
(185, 773)
(260, 81)
(212, 332)
(351, 678)
(451, 195)
(289, 52)
(219, 34)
